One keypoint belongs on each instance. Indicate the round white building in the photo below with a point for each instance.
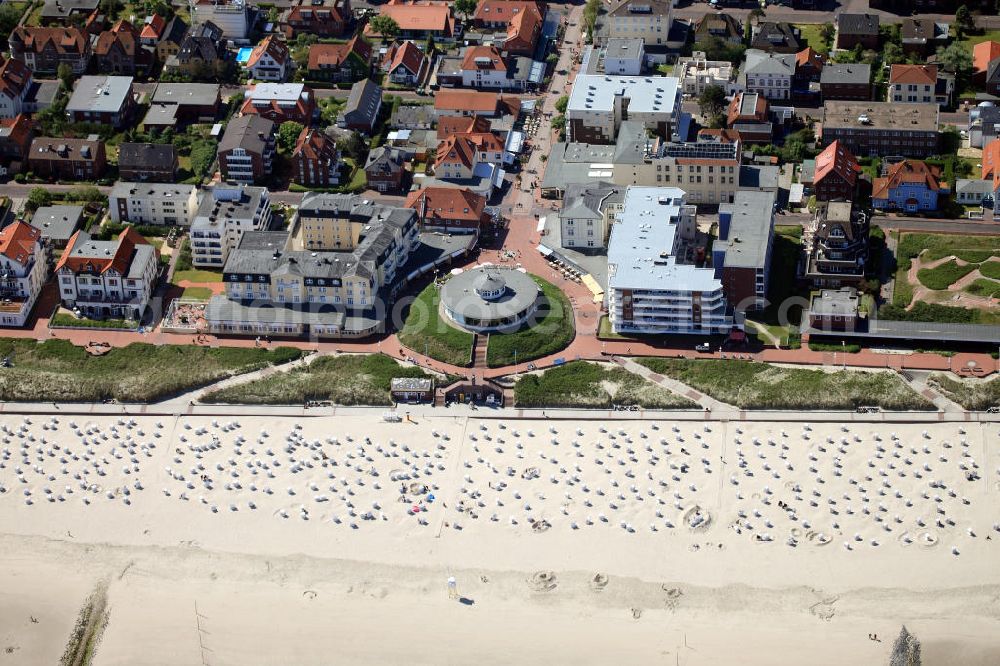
(490, 298)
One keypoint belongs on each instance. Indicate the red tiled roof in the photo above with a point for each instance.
(17, 241)
(809, 55)
(983, 54)
(447, 203)
(466, 100)
(14, 77)
(462, 125)
(524, 28)
(273, 47)
(456, 149)
(991, 162)
(836, 159)
(20, 130)
(502, 11)
(118, 261)
(907, 171)
(154, 27)
(420, 17)
(314, 144)
(64, 40)
(407, 55)
(483, 58)
(124, 33)
(335, 55)
(724, 135)
(921, 74)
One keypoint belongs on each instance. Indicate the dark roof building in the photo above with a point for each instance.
(147, 162)
(363, 106)
(776, 38)
(855, 29)
(850, 81)
(247, 149)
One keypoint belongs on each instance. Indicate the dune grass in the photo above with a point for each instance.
(585, 384)
(749, 385)
(973, 394)
(57, 370)
(355, 379)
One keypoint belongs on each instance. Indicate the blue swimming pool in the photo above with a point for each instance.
(243, 54)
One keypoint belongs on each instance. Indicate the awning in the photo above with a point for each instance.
(541, 224)
(590, 283)
(546, 252)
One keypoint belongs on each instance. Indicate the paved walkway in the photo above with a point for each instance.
(194, 396)
(918, 382)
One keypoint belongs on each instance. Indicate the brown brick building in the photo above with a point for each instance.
(67, 159)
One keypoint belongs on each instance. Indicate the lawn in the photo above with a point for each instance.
(345, 380)
(990, 269)
(195, 275)
(783, 285)
(969, 41)
(972, 394)
(197, 293)
(56, 370)
(64, 319)
(944, 275)
(585, 384)
(974, 249)
(552, 332)
(425, 332)
(812, 36)
(750, 385)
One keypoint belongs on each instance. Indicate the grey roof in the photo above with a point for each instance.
(750, 229)
(57, 222)
(191, 94)
(248, 132)
(857, 24)
(124, 189)
(87, 247)
(921, 330)
(882, 115)
(759, 177)
(384, 161)
(775, 35)
(228, 208)
(263, 240)
(459, 293)
(412, 116)
(808, 171)
(632, 144)
(762, 62)
(175, 31)
(450, 65)
(839, 302)
(586, 200)
(41, 94)
(857, 73)
(363, 102)
(573, 163)
(973, 186)
(100, 94)
(630, 7)
(220, 309)
(61, 9)
(161, 114)
(411, 384)
(629, 49)
(140, 259)
(720, 25)
(152, 155)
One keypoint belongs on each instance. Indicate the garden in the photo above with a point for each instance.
(945, 278)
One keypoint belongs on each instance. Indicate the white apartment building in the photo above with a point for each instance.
(23, 271)
(599, 103)
(624, 57)
(587, 214)
(226, 211)
(697, 73)
(108, 278)
(15, 84)
(769, 74)
(232, 16)
(648, 20)
(655, 284)
(153, 203)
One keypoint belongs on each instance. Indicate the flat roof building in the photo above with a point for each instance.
(881, 128)
(598, 104)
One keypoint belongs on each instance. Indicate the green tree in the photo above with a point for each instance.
(352, 145)
(562, 103)
(893, 54)
(65, 74)
(590, 13)
(465, 7)
(954, 58)
(10, 14)
(385, 26)
(38, 197)
(827, 32)
(964, 23)
(87, 193)
(712, 101)
(718, 49)
(288, 134)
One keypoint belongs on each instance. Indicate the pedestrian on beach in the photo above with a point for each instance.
(452, 588)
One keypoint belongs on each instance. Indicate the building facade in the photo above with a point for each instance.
(246, 152)
(882, 128)
(225, 213)
(23, 272)
(165, 204)
(67, 159)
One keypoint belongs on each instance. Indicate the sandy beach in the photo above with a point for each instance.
(271, 540)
